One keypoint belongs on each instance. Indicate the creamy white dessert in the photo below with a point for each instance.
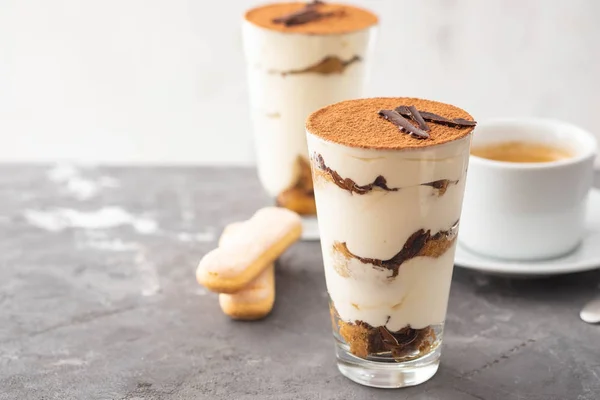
(293, 71)
(389, 207)
(378, 224)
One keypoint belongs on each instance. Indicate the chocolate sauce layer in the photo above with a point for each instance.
(420, 244)
(441, 185)
(327, 66)
(322, 170)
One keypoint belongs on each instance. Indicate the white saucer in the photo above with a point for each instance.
(585, 258)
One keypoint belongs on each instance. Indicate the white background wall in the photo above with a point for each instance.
(163, 80)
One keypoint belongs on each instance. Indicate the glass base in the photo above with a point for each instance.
(310, 229)
(387, 375)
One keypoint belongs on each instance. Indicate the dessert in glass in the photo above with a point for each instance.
(389, 177)
(300, 57)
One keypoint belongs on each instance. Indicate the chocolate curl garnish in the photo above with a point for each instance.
(403, 124)
(431, 117)
(413, 113)
(307, 14)
(417, 117)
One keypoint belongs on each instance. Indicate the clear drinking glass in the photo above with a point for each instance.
(388, 221)
(292, 72)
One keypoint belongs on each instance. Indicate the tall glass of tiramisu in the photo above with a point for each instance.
(300, 57)
(389, 176)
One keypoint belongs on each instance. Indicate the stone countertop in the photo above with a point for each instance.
(99, 301)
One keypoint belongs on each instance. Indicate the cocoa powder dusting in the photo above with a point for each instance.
(341, 18)
(356, 123)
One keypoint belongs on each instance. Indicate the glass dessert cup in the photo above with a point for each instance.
(388, 221)
(293, 71)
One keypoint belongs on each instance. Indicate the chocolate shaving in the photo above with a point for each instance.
(416, 115)
(307, 14)
(403, 124)
(347, 183)
(431, 117)
(420, 243)
(404, 111)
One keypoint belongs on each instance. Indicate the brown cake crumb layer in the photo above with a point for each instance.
(420, 244)
(357, 123)
(300, 197)
(365, 340)
(345, 18)
(341, 256)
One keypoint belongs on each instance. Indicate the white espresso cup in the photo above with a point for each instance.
(527, 211)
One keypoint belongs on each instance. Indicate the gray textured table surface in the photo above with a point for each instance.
(92, 310)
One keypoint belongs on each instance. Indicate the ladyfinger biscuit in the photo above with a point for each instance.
(258, 243)
(256, 300)
(229, 232)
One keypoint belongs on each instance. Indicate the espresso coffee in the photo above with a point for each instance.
(521, 152)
